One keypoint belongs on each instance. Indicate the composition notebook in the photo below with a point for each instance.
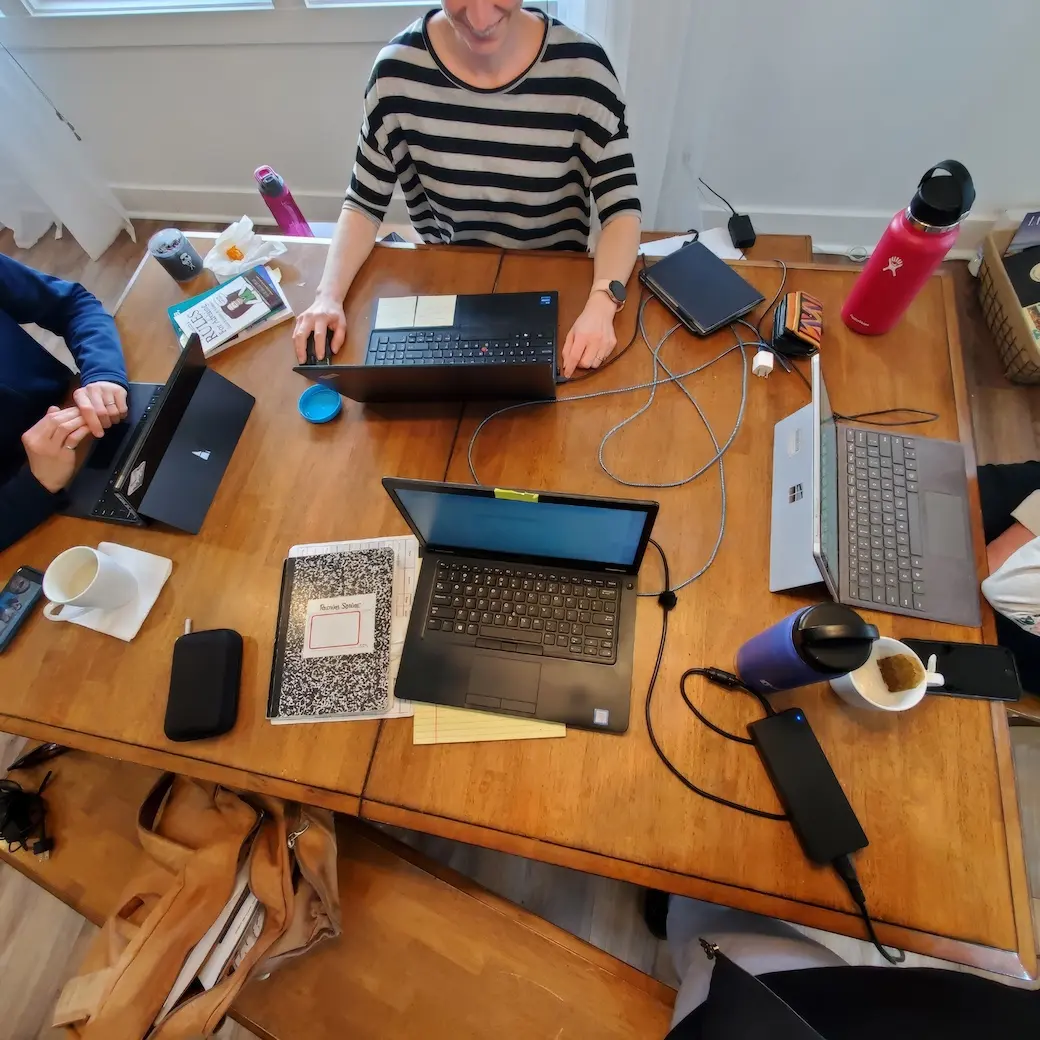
(332, 646)
(701, 290)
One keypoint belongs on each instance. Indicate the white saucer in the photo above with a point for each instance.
(125, 622)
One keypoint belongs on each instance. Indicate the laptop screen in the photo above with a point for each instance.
(826, 537)
(547, 530)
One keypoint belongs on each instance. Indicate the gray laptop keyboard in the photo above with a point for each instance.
(886, 549)
(528, 610)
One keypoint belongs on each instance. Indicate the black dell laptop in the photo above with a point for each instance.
(526, 602)
(165, 461)
(497, 346)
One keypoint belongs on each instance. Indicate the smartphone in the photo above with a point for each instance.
(971, 669)
(17, 600)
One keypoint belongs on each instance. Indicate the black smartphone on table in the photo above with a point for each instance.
(17, 600)
(976, 670)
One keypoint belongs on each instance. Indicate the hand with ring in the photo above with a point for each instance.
(102, 405)
(592, 340)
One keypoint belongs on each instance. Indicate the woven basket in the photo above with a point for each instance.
(1017, 341)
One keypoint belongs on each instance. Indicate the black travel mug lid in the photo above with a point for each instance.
(833, 639)
(941, 202)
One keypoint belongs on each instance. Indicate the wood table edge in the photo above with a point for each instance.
(1021, 903)
(202, 769)
(1002, 962)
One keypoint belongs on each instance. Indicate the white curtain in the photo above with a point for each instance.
(47, 176)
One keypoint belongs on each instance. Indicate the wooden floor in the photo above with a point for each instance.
(41, 940)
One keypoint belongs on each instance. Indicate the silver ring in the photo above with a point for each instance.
(70, 447)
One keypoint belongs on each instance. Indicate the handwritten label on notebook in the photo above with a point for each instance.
(435, 311)
(340, 626)
(440, 724)
(395, 312)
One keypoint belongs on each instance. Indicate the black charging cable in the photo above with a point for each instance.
(847, 872)
(843, 864)
(668, 600)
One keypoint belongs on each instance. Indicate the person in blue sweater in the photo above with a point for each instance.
(38, 437)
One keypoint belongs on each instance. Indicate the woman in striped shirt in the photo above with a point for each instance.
(502, 127)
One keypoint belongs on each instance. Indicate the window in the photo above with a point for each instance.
(110, 7)
(549, 6)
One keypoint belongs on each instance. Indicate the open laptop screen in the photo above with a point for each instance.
(589, 531)
(825, 479)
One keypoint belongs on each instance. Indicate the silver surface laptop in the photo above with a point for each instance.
(882, 518)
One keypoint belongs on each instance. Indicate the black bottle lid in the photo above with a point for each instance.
(941, 202)
(833, 639)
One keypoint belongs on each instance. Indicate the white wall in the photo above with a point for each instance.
(179, 126)
(816, 116)
(820, 116)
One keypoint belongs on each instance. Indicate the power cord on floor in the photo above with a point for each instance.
(667, 600)
(847, 872)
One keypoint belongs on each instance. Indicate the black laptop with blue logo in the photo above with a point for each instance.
(452, 348)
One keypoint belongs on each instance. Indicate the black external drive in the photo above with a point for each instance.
(807, 787)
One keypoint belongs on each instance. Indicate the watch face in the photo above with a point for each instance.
(617, 290)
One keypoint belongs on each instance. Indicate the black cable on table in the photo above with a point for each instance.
(845, 869)
(667, 601)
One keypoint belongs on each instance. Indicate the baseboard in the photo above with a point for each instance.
(841, 230)
(223, 205)
(832, 230)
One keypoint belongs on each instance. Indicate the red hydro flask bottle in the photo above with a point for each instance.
(912, 247)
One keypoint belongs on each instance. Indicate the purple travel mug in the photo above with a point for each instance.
(809, 646)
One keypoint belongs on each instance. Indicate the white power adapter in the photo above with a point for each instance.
(762, 363)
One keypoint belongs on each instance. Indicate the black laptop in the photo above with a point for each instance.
(165, 461)
(497, 346)
(526, 602)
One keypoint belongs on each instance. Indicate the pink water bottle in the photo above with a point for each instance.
(912, 247)
(281, 203)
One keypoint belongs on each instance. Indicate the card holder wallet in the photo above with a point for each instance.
(204, 682)
(798, 325)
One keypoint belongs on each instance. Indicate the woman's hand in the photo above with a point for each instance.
(321, 316)
(101, 405)
(592, 339)
(50, 446)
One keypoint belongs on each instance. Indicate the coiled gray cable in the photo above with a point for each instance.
(652, 385)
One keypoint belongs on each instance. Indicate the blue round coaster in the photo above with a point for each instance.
(320, 404)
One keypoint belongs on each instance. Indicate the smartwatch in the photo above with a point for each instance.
(614, 289)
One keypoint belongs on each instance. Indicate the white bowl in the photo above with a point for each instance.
(864, 688)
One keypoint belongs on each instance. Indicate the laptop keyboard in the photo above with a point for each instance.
(448, 347)
(526, 610)
(110, 506)
(886, 545)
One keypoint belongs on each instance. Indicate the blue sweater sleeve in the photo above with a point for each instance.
(24, 503)
(69, 311)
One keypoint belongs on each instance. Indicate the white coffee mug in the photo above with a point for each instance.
(865, 688)
(84, 577)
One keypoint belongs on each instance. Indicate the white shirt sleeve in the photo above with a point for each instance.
(1014, 588)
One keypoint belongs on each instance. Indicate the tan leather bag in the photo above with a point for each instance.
(195, 834)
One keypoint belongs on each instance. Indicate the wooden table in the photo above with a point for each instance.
(933, 788)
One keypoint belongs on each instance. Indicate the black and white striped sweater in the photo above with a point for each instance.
(515, 167)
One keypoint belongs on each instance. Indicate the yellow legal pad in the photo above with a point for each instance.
(439, 724)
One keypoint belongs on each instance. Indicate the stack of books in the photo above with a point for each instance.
(231, 312)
